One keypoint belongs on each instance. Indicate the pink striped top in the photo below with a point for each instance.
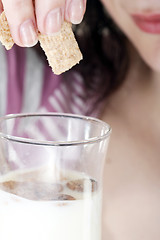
(27, 85)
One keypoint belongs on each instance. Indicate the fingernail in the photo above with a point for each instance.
(54, 21)
(75, 11)
(28, 34)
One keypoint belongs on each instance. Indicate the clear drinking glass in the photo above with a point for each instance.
(51, 168)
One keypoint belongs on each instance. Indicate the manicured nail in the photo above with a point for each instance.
(54, 21)
(76, 11)
(28, 34)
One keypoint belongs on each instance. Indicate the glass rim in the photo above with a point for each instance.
(55, 143)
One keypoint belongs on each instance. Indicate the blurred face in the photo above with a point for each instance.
(140, 21)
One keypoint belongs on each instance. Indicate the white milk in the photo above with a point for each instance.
(27, 219)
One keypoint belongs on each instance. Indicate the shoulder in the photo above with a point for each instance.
(36, 87)
(66, 93)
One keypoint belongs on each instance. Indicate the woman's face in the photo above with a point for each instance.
(140, 21)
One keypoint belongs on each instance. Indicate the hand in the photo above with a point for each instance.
(47, 16)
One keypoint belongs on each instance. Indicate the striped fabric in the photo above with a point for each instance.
(27, 85)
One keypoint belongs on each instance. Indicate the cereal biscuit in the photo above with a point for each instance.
(5, 35)
(81, 185)
(61, 49)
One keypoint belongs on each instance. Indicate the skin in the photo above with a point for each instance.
(147, 45)
(131, 204)
(25, 19)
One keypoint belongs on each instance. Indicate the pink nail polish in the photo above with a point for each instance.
(76, 11)
(54, 21)
(28, 33)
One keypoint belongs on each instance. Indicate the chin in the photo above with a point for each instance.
(154, 65)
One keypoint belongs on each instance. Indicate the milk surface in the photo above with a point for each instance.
(71, 212)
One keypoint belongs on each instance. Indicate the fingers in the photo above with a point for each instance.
(75, 10)
(20, 16)
(47, 17)
(51, 15)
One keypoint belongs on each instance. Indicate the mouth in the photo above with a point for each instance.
(147, 23)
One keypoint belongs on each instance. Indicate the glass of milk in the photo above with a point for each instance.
(51, 170)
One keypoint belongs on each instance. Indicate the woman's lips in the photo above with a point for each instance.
(149, 23)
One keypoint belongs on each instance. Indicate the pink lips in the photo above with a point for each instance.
(148, 23)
